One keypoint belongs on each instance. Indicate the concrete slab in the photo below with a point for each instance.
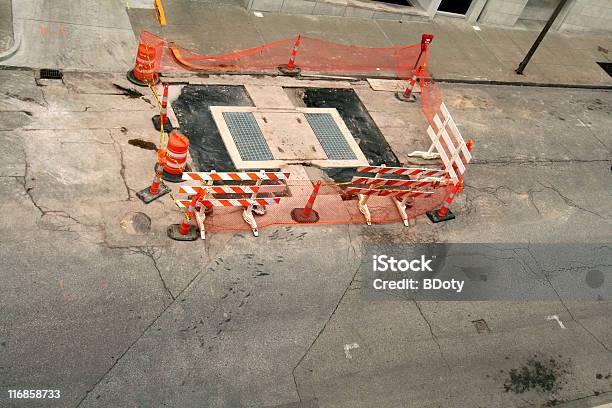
(6, 25)
(392, 85)
(275, 27)
(273, 97)
(289, 136)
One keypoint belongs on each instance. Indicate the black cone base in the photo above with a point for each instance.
(297, 214)
(167, 127)
(433, 216)
(146, 196)
(174, 232)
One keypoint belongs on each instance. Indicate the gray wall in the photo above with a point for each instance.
(539, 10)
(589, 15)
(502, 12)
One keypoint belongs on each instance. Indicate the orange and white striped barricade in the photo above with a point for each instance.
(240, 195)
(448, 144)
(416, 182)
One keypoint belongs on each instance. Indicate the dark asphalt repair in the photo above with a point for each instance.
(358, 120)
(196, 122)
(208, 150)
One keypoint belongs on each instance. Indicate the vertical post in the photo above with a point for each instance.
(538, 40)
(426, 39)
(290, 68)
(444, 213)
(307, 214)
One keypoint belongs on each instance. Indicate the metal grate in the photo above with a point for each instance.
(331, 138)
(46, 73)
(247, 136)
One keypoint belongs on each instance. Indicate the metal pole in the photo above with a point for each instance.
(538, 40)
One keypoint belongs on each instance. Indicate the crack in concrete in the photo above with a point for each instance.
(301, 359)
(127, 350)
(519, 162)
(154, 254)
(569, 202)
(118, 147)
(494, 192)
(433, 335)
(578, 322)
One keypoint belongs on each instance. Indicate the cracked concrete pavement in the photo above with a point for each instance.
(114, 319)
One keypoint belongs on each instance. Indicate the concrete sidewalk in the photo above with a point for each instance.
(459, 51)
(6, 25)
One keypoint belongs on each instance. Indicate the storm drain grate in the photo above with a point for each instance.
(47, 73)
(249, 140)
(331, 138)
(606, 66)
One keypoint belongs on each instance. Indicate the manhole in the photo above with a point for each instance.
(606, 66)
(481, 326)
(47, 73)
(331, 138)
(249, 140)
(136, 223)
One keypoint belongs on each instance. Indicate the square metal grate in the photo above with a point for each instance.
(248, 137)
(330, 136)
(47, 73)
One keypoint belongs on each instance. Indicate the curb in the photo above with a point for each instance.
(17, 36)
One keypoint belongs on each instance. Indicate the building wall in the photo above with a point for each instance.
(589, 15)
(502, 12)
(343, 8)
(539, 10)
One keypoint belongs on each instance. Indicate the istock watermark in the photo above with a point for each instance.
(538, 272)
(384, 263)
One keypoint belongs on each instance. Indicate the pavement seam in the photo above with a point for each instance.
(297, 390)
(389, 42)
(72, 23)
(196, 276)
(433, 335)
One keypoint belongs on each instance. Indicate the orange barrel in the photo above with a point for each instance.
(144, 70)
(176, 157)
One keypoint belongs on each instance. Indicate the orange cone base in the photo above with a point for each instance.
(136, 81)
(284, 69)
(146, 196)
(174, 232)
(167, 127)
(297, 214)
(174, 178)
(402, 97)
(435, 218)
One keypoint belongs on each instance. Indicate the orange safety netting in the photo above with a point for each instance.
(318, 57)
(313, 55)
(331, 204)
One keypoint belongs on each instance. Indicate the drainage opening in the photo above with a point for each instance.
(606, 66)
(47, 73)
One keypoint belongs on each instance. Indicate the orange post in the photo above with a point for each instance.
(307, 214)
(291, 68)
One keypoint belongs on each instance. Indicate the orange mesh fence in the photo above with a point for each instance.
(331, 204)
(314, 55)
(431, 97)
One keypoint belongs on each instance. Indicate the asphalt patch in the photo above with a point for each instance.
(196, 122)
(371, 142)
